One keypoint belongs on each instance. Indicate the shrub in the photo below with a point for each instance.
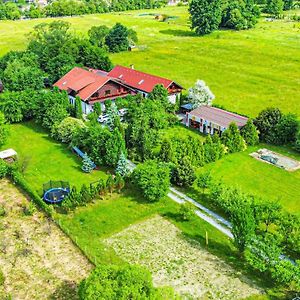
(3, 168)
(183, 173)
(186, 211)
(232, 139)
(153, 180)
(65, 130)
(118, 282)
(250, 134)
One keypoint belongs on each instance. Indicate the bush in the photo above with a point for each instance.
(3, 169)
(184, 173)
(250, 134)
(65, 130)
(232, 139)
(119, 282)
(186, 211)
(153, 180)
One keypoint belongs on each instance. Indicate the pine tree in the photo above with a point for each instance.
(232, 139)
(113, 117)
(166, 151)
(184, 173)
(250, 133)
(78, 108)
(97, 109)
(122, 166)
(87, 164)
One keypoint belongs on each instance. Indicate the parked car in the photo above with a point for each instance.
(123, 112)
(102, 118)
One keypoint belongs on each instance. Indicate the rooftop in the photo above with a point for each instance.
(218, 116)
(137, 79)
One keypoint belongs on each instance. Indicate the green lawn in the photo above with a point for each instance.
(47, 159)
(258, 178)
(247, 70)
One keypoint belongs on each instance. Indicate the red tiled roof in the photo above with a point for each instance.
(138, 80)
(218, 116)
(84, 82)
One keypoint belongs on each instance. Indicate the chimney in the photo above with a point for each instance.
(132, 66)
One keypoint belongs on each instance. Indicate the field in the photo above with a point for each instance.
(45, 159)
(247, 70)
(180, 262)
(37, 259)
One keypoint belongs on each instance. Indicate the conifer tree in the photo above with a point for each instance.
(122, 166)
(87, 164)
(250, 133)
(78, 108)
(232, 139)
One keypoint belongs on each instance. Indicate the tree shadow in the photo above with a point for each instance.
(67, 290)
(179, 32)
(229, 257)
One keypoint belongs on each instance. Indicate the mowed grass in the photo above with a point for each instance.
(257, 178)
(45, 159)
(247, 70)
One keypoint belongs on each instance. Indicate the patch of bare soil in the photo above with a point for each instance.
(179, 262)
(37, 259)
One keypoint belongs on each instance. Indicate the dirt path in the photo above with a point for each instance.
(37, 259)
(179, 262)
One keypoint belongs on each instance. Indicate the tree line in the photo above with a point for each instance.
(57, 8)
(209, 15)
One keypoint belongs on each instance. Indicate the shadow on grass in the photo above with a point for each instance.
(223, 251)
(178, 32)
(66, 290)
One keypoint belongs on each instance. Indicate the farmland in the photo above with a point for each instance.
(38, 261)
(247, 70)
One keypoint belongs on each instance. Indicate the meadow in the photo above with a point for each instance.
(44, 159)
(247, 70)
(255, 177)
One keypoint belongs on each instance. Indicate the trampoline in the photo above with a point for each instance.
(55, 191)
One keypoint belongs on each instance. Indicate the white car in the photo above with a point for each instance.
(122, 112)
(102, 118)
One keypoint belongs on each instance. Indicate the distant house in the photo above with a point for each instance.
(144, 83)
(208, 119)
(92, 86)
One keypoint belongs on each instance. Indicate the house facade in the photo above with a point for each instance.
(211, 120)
(92, 86)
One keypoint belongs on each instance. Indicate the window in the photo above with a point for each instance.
(107, 92)
(141, 81)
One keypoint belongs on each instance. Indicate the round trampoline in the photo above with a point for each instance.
(56, 195)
